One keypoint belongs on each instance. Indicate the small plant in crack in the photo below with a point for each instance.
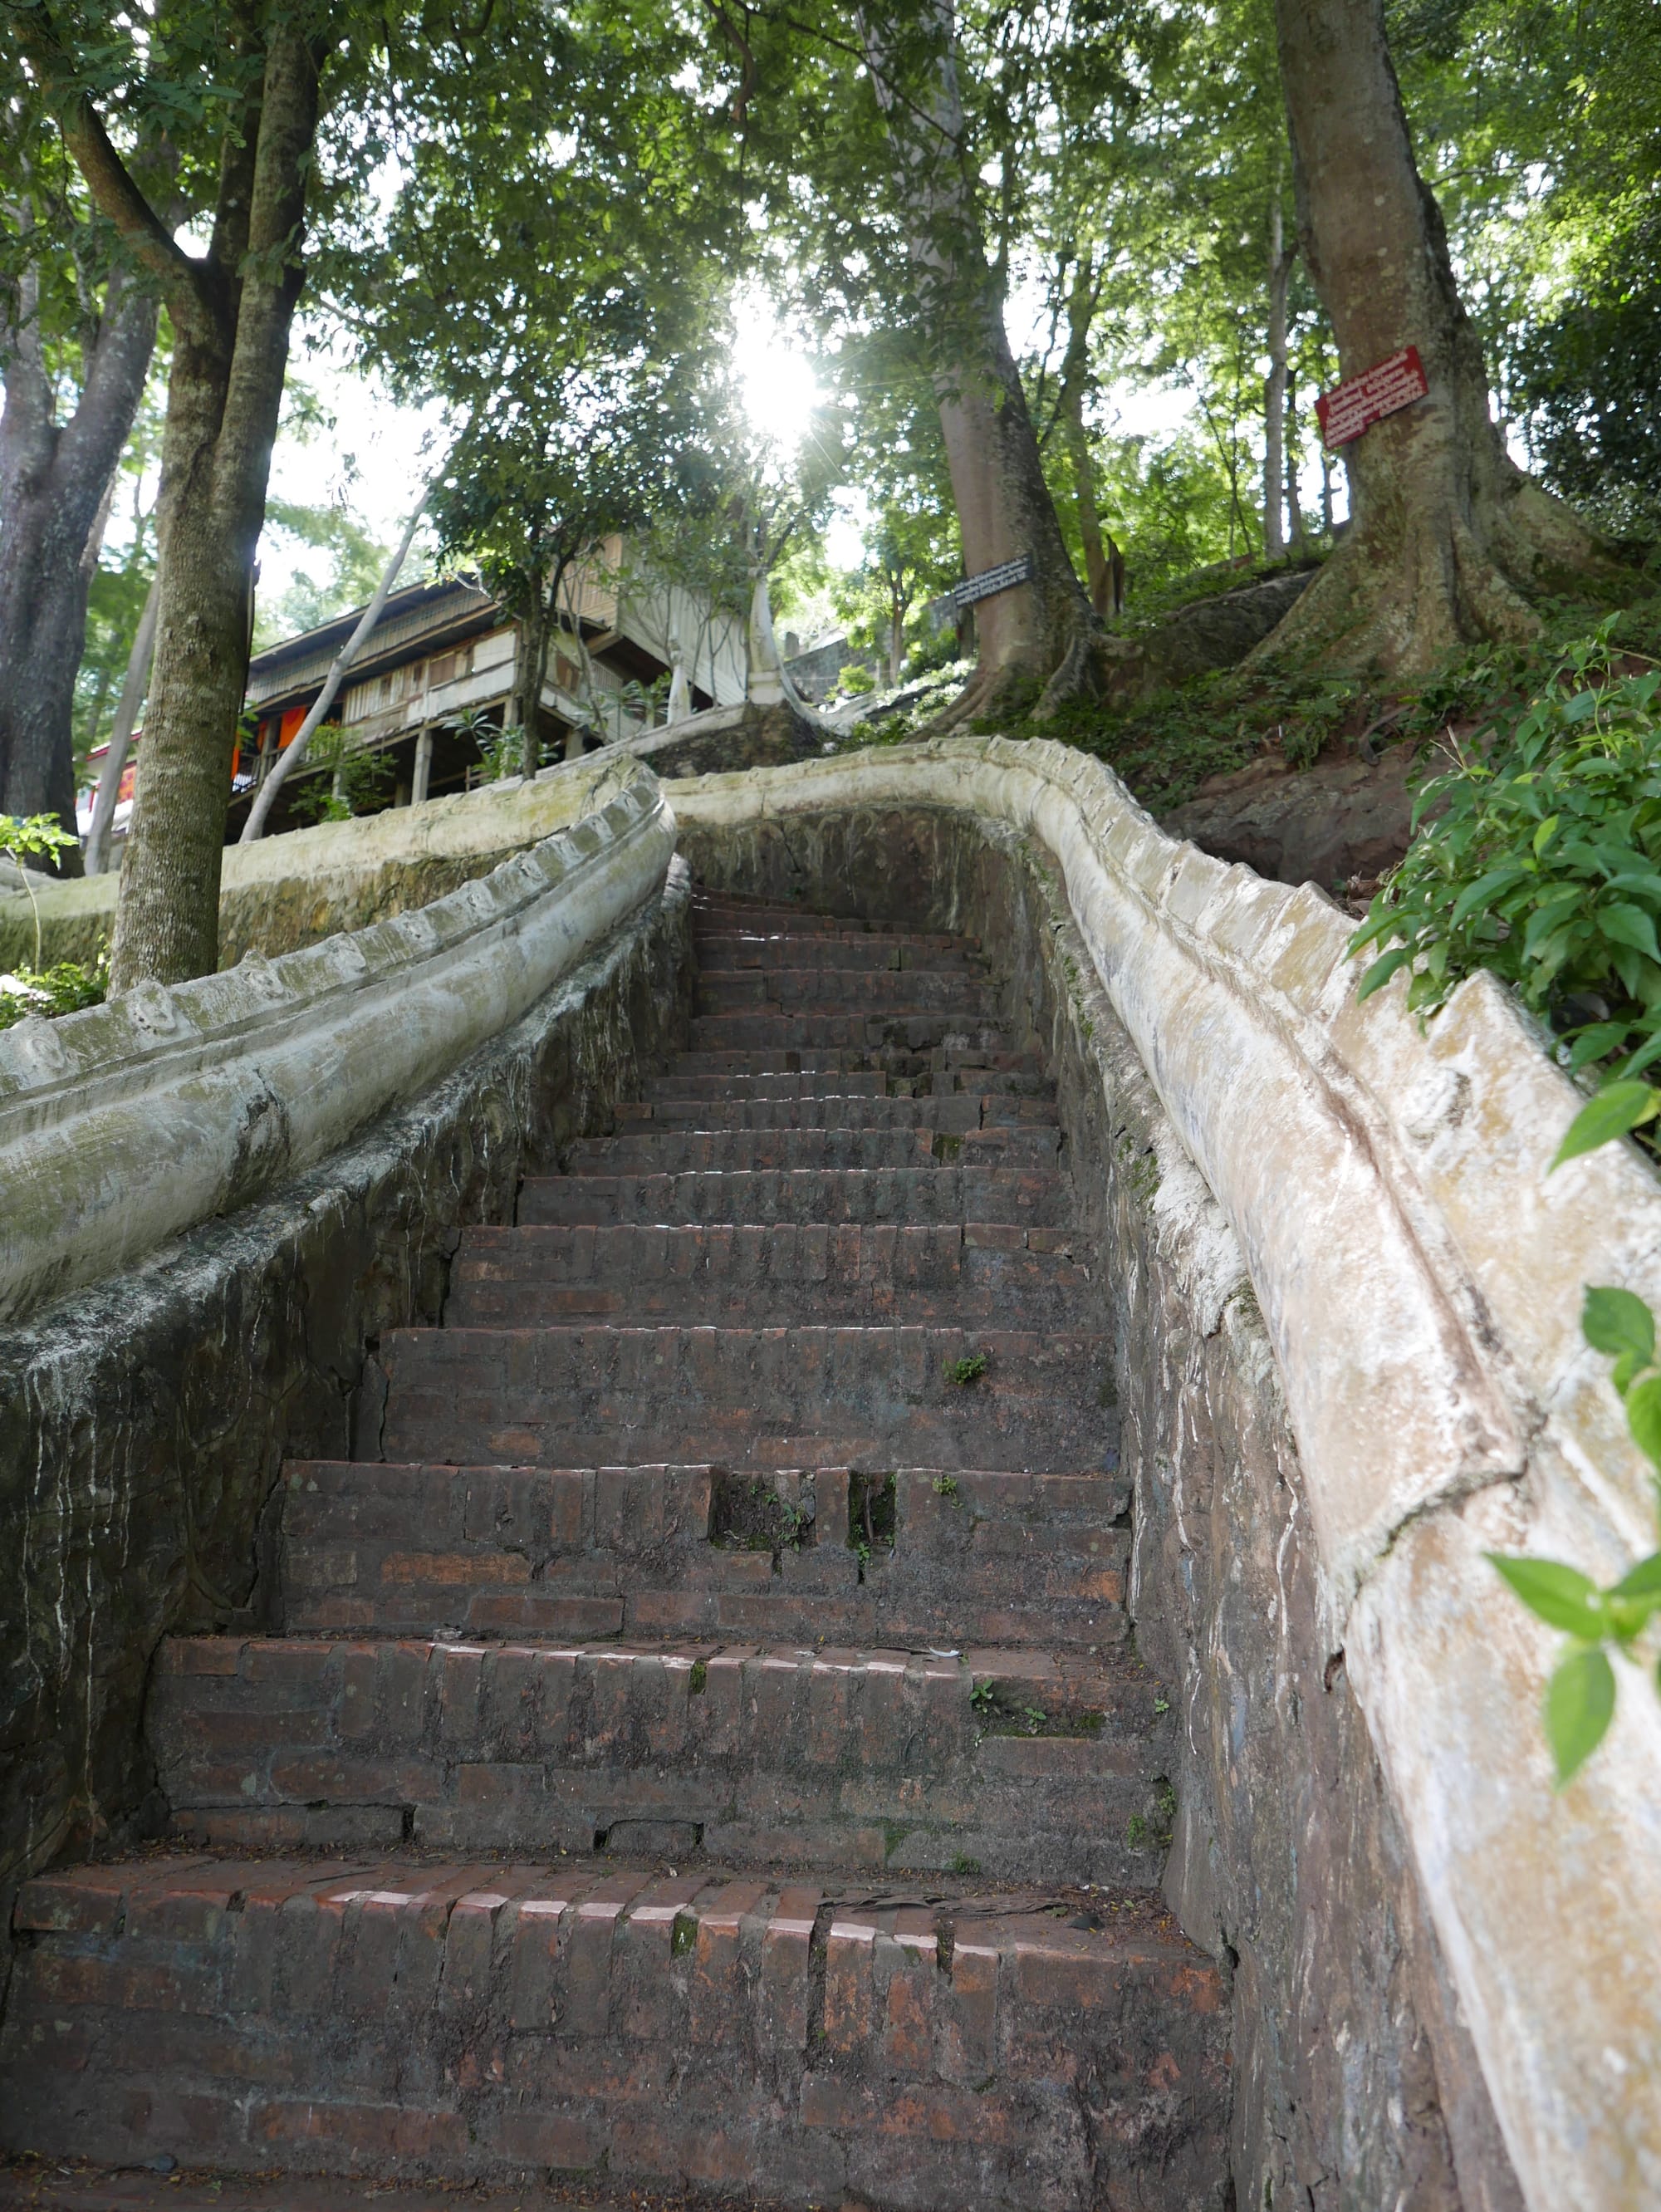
(945, 1485)
(873, 1517)
(969, 1369)
(984, 1698)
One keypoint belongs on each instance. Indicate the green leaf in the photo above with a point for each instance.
(1644, 1417)
(1551, 911)
(1580, 1706)
(1561, 1597)
(1478, 894)
(1617, 1108)
(1542, 835)
(1614, 1321)
(1645, 1057)
(1594, 1042)
(1381, 971)
(1627, 924)
(1642, 1580)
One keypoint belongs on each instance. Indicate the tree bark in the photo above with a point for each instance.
(1449, 540)
(135, 684)
(55, 485)
(1104, 564)
(1044, 633)
(230, 311)
(1274, 391)
(1294, 505)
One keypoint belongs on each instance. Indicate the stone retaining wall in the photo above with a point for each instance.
(129, 1122)
(282, 893)
(1347, 1303)
(143, 1421)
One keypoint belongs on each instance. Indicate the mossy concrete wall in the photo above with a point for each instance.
(142, 1422)
(284, 892)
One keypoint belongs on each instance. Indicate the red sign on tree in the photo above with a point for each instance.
(1356, 405)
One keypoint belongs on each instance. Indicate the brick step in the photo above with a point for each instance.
(1032, 1197)
(746, 918)
(958, 1112)
(745, 950)
(819, 1074)
(963, 1273)
(872, 1399)
(654, 1151)
(577, 1552)
(26, 2185)
(828, 1757)
(397, 2020)
(802, 992)
(860, 1029)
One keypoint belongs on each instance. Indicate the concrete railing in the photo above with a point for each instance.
(125, 1125)
(1420, 1277)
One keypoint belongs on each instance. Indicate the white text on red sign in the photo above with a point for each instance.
(1356, 404)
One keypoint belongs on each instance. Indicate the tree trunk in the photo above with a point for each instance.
(1040, 633)
(535, 630)
(1294, 506)
(1104, 565)
(231, 314)
(135, 684)
(1449, 540)
(55, 484)
(290, 759)
(1274, 391)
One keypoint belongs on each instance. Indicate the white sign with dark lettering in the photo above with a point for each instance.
(1003, 578)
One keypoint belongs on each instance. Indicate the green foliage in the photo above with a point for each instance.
(342, 778)
(62, 988)
(1580, 1696)
(356, 561)
(32, 837)
(966, 1370)
(1538, 856)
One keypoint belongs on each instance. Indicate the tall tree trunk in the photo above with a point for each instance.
(536, 628)
(133, 685)
(1274, 391)
(1449, 538)
(290, 759)
(230, 311)
(1104, 565)
(1044, 631)
(1294, 505)
(55, 479)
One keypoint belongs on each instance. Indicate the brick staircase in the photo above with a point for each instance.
(705, 1745)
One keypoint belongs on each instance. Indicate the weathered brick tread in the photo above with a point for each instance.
(30, 2184)
(1032, 1195)
(666, 1151)
(479, 2021)
(591, 1552)
(815, 1758)
(868, 1398)
(751, 1537)
(959, 1113)
(745, 1273)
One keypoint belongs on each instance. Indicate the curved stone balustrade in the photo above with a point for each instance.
(1421, 1279)
(125, 1125)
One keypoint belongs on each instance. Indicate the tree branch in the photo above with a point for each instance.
(115, 192)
